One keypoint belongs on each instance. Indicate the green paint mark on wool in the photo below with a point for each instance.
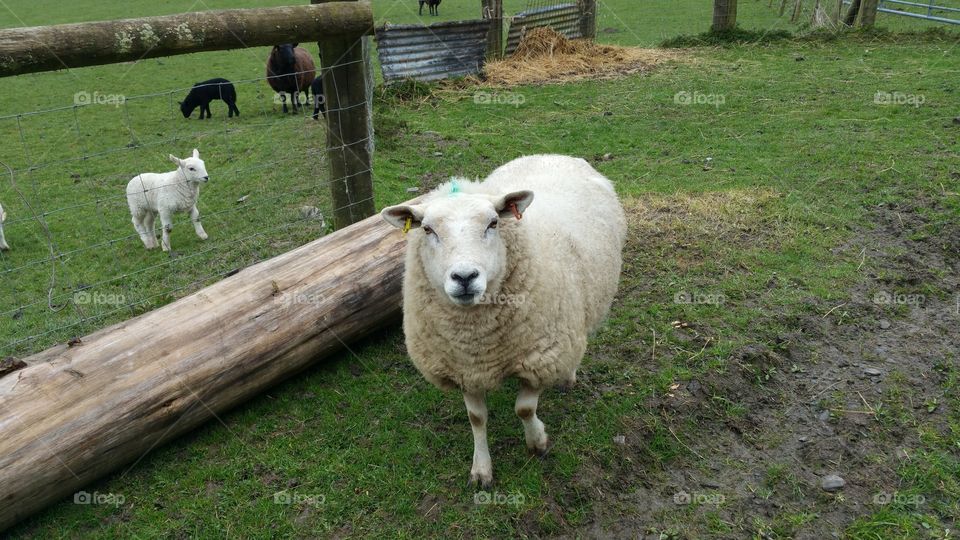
(454, 187)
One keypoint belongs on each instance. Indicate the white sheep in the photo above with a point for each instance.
(3, 241)
(149, 194)
(493, 290)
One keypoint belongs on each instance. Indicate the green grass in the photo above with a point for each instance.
(364, 446)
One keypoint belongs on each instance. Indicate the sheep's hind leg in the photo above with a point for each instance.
(166, 221)
(195, 218)
(526, 408)
(482, 470)
(148, 221)
(138, 224)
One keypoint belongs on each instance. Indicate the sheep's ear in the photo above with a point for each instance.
(398, 215)
(295, 45)
(196, 153)
(175, 159)
(513, 204)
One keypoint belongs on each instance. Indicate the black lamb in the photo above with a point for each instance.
(319, 105)
(204, 92)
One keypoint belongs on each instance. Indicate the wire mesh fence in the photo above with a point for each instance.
(77, 263)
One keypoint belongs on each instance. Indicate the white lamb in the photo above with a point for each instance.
(3, 241)
(494, 290)
(149, 194)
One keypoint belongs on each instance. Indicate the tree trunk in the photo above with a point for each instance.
(797, 9)
(724, 15)
(79, 412)
(851, 16)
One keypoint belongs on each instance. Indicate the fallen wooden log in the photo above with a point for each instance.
(77, 413)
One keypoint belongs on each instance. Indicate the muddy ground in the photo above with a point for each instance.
(840, 394)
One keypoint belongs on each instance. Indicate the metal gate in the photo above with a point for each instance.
(931, 10)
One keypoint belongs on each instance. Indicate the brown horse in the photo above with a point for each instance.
(290, 70)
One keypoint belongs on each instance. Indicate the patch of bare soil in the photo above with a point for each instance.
(840, 394)
(546, 56)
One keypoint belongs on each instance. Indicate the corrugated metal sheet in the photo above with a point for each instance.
(564, 18)
(429, 53)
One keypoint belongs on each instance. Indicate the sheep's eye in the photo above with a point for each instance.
(192, 169)
(427, 230)
(493, 224)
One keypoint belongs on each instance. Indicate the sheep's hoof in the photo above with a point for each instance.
(203, 236)
(481, 480)
(539, 449)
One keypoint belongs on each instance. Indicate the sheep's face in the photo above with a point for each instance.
(192, 168)
(285, 54)
(461, 250)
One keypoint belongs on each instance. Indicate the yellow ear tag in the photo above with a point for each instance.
(407, 225)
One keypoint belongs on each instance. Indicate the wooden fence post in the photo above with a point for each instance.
(724, 15)
(493, 11)
(349, 115)
(588, 18)
(868, 13)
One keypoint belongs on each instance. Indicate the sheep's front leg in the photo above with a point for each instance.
(526, 408)
(166, 220)
(195, 218)
(482, 470)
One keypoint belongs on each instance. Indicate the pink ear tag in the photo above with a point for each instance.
(516, 213)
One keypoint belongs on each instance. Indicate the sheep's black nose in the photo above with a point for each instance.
(206, 177)
(464, 280)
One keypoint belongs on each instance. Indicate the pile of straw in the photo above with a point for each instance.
(544, 55)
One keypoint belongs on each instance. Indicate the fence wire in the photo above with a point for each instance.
(76, 262)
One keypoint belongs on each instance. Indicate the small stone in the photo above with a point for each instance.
(310, 212)
(620, 439)
(831, 483)
(872, 372)
(884, 324)
(438, 154)
(709, 484)
(413, 189)
(803, 439)
(824, 416)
